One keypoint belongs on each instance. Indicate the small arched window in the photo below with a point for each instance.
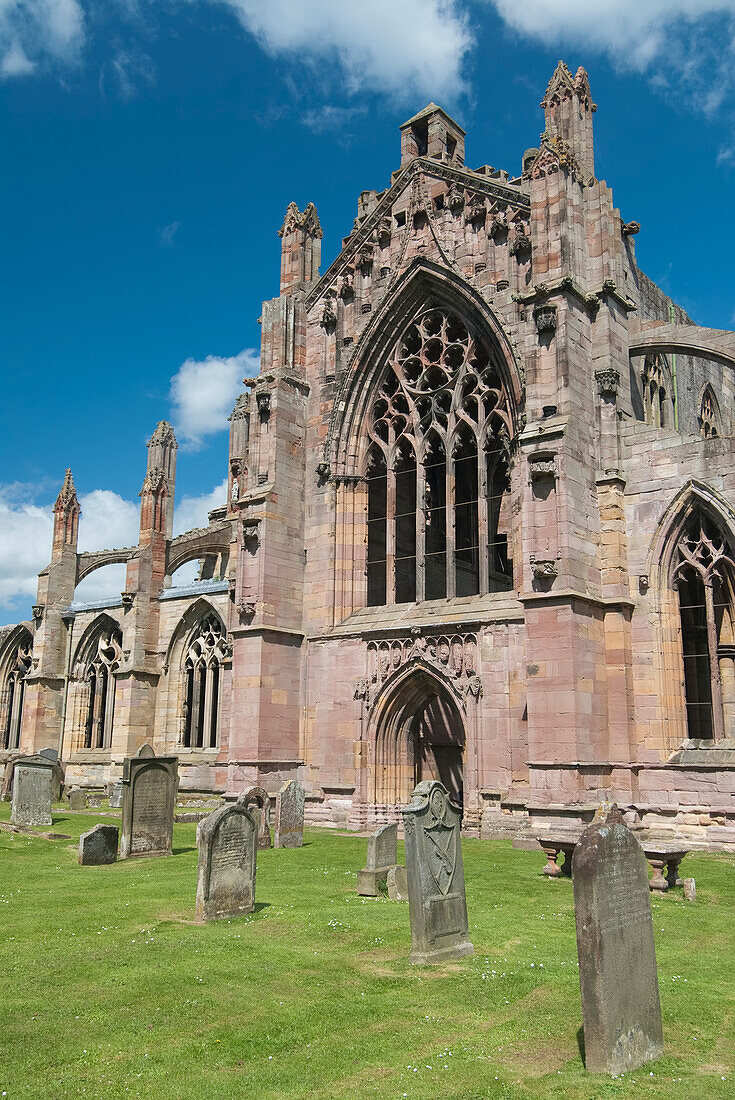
(204, 657)
(100, 675)
(657, 404)
(17, 667)
(437, 468)
(709, 414)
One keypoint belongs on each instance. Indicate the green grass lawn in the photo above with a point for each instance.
(109, 989)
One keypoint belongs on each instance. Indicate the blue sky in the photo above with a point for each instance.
(151, 148)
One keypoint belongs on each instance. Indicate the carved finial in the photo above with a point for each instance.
(242, 407)
(164, 434)
(561, 84)
(68, 494)
(308, 222)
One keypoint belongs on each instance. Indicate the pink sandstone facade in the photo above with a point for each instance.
(480, 527)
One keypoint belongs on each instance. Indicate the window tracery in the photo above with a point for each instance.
(437, 468)
(204, 657)
(709, 414)
(656, 403)
(13, 692)
(703, 574)
(105, 661)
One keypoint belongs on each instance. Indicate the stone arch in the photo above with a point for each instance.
(694, 614)
(198, 654)
(710, 416)
(92, 683)
(16, 662)
(417, 730)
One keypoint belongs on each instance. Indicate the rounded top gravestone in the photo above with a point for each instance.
(227, 843)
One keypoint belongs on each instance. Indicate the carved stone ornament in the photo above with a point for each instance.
(263, 400)
(643, 583)
(323, 469)
(127, 600)
(498, 225)
(631, 228)
(328, 320)
(385, 231)
(246, 607)
(346, 290)
(520, 245)
(38, 610)
(539, 469)
(455, 198)
(365, 258)
(476, 211)
(362, 690)
(608, 380)
(544, 569)
(544, 316)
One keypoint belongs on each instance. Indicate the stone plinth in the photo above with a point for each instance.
(227, 842)
(436, 893)
(617, 957)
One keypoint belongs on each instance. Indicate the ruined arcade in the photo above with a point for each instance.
(480, 527)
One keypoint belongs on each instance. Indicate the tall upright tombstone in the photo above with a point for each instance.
(436, 894)
(32, 791)
(150, 783)
(621, 1011)
(258, 799)
(227, 841)
(289, 832)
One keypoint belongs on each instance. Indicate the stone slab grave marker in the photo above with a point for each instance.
(98, 846)
(77, 799)
(149, 797)
(259, 801)
(397, 883)
(617, 957)
(32, 791)
(382, 854)
(116, 795)
(436, 893)
(289, 831)
(227, 840)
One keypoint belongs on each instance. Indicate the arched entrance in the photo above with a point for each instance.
(419, 733)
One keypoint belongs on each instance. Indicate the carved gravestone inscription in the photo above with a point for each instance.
(98, 846)
(227, 841)
(289, 831)
(617, 957)
(259, 801)
(32, 791)
(436, 894)
(382, 854)
(149, 797)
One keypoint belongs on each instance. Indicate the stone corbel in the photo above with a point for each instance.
(544, 316)
(328, 319)
(608, 380)
(38, 610)
(544, 569)
(541, 468)
(263, 401)
(323, 471)
(127, 600)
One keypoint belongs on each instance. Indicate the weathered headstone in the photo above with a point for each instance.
(116, 795)
(436, 894)
(149, 797)
(98, 846)
(690, 889)
(6, 792)
(227, 842)
(289, 831)
(397, 881)
(32, 791)
(57, 777)
(77, 799)
(617, 957)
(382, 854)
(258, 799)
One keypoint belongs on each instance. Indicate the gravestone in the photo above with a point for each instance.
(6, 793)
(382, 854)
(227, 841)
(98, 846)
(116, 795)
(289, 831)
(397, 881)
(32, 791)
(436, 894)
(149, 796)
(77, 799)
(617, 957)
(258, 799)
(690, 889)
(57, 777)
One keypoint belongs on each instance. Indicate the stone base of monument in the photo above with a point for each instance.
(441, 954)
(372, 881)
(98, 846)
(397, 881)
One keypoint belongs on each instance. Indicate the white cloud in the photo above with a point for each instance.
(33, 31)
(167, 233)
(25, 548)
(126, 73)
(203, 392)
(634, 32)
(406, 48)
(193, 511)
(108, 521)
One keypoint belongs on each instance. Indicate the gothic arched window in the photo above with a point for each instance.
(204, 657)
(703, 574)
(656, 402)
(17, 667)
(437, 468)
(103, 663)
(709, 414)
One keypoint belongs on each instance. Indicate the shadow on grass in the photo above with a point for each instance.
(183, 851)
(580, 1044)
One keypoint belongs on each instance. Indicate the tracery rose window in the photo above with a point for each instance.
(437, 467)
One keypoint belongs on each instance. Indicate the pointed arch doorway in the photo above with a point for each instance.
(419, 732)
